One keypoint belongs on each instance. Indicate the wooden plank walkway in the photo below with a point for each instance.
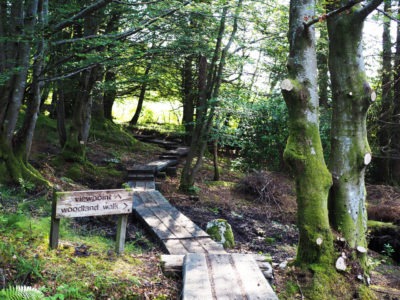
(178, 234)
(209, 272)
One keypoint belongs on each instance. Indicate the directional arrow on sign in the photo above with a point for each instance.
(118, 196)
(125, 205)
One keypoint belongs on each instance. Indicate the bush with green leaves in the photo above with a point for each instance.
(262, 134)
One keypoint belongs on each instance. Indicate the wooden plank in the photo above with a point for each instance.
(160, 165)
(180, 151)
(141, 177)
(224, 277)
(163, 143)
(175, 246)
(141, 169)
(93, 203)
(172, 264)
(155, 224)
(178, 223)
(212, 246)
(196, 281)
(254, 284)
(149, 198)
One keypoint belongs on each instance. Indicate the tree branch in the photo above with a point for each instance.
(123, 35)
(388, 15)
(349, 5)
(368, 8)
(84, 12)
(136, 3)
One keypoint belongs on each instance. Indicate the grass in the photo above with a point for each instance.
(26, 259)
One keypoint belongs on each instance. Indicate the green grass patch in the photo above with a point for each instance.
(63, 273)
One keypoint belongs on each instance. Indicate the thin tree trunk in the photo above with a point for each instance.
(395, 138)
(142, 95)
(384, 122)
(303, 152)
(188, 98)
(110, 94)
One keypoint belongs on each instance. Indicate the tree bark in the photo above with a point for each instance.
(75, 145)
(395, 145)
(383, 169)
(352, 96)
(303, 152)
(110, 93)
(142, 95)
(189, 95)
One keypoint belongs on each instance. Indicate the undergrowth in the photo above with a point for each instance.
(84, 266)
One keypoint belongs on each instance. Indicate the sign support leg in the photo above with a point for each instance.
(121, 233)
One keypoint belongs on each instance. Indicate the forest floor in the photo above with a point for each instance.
(261, 224)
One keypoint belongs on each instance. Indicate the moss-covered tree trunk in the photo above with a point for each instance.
(304, 152)
(18, 20)
(352, 95)
(350, 152)
(75, 145)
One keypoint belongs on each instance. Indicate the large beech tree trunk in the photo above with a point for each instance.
(352, 95)
(304, 152)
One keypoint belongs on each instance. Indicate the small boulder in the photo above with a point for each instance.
(221, 231)
(341, 264)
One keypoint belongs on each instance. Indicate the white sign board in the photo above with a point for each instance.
(93, 203)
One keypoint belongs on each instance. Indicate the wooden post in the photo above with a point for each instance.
(55, 225)
(121, 233)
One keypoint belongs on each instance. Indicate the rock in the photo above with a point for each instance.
(221, 231)
(259, 231)
(340, 264)
(283, 265)
(268, 274)
(361, 249)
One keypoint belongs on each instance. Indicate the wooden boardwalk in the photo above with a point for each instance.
(209, 272)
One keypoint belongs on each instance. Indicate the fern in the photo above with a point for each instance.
(21, 293)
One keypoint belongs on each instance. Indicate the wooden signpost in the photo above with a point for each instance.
(92, 203)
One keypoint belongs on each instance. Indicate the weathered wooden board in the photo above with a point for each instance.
(162, 164)
(141, 169)
(138, 186)
(155, 224)
(254, 284)
(149, 199)
(173, 263)
(224, 276)
(196, 280)
(163, 143)
(93, 203)
(141, 177)
(227, 276)
(180, 151)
